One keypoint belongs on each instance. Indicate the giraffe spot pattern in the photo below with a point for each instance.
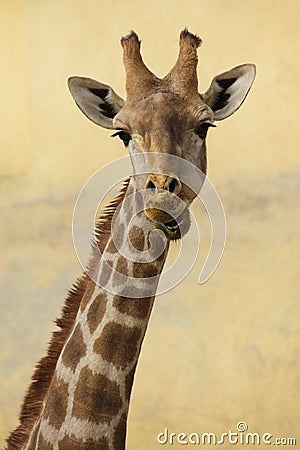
(89, 404)
(96, 311)
(118, 344)
(137, 237)
(144, 270)
(74, 350)
(87, 296)
(43, 444)
(57, 402)
(122, 265)
(71, 443)
(158, 245)
(120, 271)
(134, 307)
(105, 273)
(111, 248)
(120, 434)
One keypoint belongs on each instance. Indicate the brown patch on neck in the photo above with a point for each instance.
(41, 379)
(103, 401)
(118, 344)
(56, 405)
(120, 434)
(71, 443)
(139, 308)
(74, 349)
(43, 445)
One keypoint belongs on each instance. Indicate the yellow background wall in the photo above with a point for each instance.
(213, 354)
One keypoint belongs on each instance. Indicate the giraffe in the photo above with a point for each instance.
(80, 391)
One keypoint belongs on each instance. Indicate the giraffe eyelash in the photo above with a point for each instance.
(202, 129)
(123, 135)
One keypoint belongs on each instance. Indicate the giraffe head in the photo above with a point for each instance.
(164, 116)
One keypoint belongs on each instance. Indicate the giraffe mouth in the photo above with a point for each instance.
(176, 228)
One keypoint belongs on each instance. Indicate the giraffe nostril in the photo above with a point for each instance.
(170, 184)
(174, 186)
(150, 185)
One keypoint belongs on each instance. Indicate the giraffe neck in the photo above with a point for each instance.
(87, 402)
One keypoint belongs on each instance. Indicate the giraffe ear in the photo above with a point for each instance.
(98, 101)
(229, 89)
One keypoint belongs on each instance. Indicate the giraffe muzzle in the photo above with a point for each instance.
(176, 228)
(168, 212)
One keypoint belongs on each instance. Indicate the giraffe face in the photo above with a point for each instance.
(164, 117)
(165, 124)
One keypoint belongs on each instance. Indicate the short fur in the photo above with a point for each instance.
(177, 96)
(45, 368)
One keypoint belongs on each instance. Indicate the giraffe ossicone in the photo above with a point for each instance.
(80, 391)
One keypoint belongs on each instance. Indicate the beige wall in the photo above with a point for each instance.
(214, 354)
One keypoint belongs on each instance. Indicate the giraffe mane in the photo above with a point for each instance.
(41, 379)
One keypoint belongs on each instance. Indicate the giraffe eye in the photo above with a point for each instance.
(202, 129)
(124, 136)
